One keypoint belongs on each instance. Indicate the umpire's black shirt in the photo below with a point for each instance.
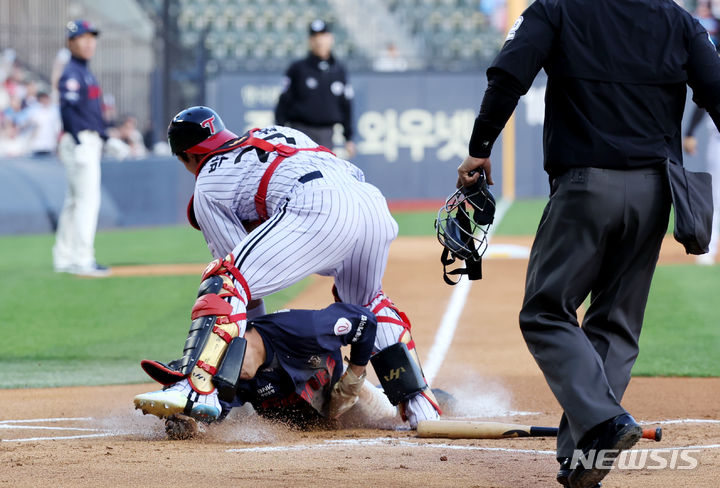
(317, 93)
(617, 73)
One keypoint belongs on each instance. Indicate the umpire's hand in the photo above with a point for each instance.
(467, 171)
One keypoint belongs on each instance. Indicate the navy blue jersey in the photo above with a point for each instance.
(80, 100)
(303, 356)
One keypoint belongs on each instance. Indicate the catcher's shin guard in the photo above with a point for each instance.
(214, 325)
(395, 327)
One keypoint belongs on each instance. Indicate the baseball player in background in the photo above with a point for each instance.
(79, 150)
(712, 158)
(274, 208)
(290, 367)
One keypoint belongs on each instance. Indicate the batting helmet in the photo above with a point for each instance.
(197, 130)
(462, 226)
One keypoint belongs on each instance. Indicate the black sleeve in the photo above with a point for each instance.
(697, 116)
(703, 71)
(512, 72)
(346, 108)
(286, 97)
(529, 42)
(501, 98)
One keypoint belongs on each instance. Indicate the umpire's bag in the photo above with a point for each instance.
(692, 199)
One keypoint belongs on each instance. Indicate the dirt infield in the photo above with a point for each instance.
(91, 437)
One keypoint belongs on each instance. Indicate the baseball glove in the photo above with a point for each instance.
(345, 393)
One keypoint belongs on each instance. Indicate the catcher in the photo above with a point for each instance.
(288, 366)
(274, 208)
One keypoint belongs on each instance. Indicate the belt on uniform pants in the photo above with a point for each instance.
(313, 175)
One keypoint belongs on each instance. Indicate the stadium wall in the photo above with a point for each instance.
(412, 132)
(134, 193)
(412, 129)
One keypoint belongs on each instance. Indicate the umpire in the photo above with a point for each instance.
(617, 75)
(317, 94)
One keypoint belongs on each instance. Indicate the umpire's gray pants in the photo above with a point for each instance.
(600, 235)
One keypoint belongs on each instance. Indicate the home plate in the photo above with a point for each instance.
(507, 251)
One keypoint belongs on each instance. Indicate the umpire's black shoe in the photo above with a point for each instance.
(564, 473)
(614, 435)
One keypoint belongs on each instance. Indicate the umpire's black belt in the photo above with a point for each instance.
(313, 175)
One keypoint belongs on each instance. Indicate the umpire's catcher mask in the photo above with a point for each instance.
(462, 226)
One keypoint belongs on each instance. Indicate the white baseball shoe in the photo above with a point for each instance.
(179, 398)
(705, 259)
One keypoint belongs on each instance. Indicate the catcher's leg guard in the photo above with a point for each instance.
(393, 328)
(214, 325)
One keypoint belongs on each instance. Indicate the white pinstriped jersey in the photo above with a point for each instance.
(333, 224)
(226, 185)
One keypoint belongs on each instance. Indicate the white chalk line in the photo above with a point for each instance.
(14, 425)
(391, 442)
(38, 427)
(680, 421)
(449, 322)
(59, 438)
(388, 441)
(504, 413)
(55, 419)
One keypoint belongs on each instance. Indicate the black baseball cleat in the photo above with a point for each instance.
(564, 473)
(614, 435)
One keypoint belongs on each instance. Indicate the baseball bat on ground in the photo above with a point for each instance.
(466, 429)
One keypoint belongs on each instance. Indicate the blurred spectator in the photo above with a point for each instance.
(109, 109)
(44, 126)
(14, 112)
(11, 144)
(390, 59)
(496, 11)
(61, 59)
(125, 141)
(704, 15)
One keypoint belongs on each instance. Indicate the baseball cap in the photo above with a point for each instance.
(78, 27)
(318, 26)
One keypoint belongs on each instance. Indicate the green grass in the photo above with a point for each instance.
(522, 218)
(416, 223)
(680, 334)
(59, 329)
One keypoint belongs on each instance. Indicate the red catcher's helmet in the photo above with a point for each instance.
(197, 130)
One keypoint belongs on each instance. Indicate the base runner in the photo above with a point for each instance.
(274, 208)
(288, 366)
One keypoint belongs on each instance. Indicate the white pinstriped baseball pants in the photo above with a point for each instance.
(340, 228)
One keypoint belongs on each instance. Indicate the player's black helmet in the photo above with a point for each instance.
(197, 130)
